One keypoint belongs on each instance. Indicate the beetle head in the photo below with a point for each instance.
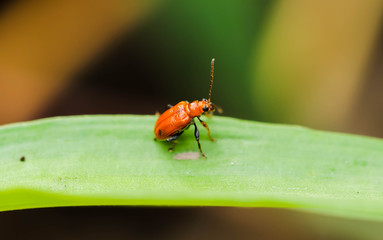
(207, 106)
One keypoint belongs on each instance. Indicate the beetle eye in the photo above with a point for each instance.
(205, 108)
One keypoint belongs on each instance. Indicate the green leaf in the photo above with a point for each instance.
(113, 160)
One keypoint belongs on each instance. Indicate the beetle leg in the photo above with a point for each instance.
(196, 135)
(169, 106)
(173, 138)
(172, 147)
(208, 114)
(207, 128)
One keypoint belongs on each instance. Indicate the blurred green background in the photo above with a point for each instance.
(312, 63)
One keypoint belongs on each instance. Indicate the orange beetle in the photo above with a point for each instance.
(173, 122)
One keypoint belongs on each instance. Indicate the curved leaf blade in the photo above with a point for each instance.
(113, 160)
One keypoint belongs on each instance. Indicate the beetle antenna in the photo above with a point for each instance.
(211, 77)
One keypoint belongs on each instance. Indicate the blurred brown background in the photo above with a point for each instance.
(313, 63)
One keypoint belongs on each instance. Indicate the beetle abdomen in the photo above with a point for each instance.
(172, 121)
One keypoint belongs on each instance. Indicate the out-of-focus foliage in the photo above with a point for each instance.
(183, 37)
(43, 44)
(310, 67)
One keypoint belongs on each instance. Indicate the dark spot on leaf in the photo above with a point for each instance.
(22, 159)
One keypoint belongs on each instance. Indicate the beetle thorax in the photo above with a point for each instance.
(195, 108)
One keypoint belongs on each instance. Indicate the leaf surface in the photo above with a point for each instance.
(113, 160)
